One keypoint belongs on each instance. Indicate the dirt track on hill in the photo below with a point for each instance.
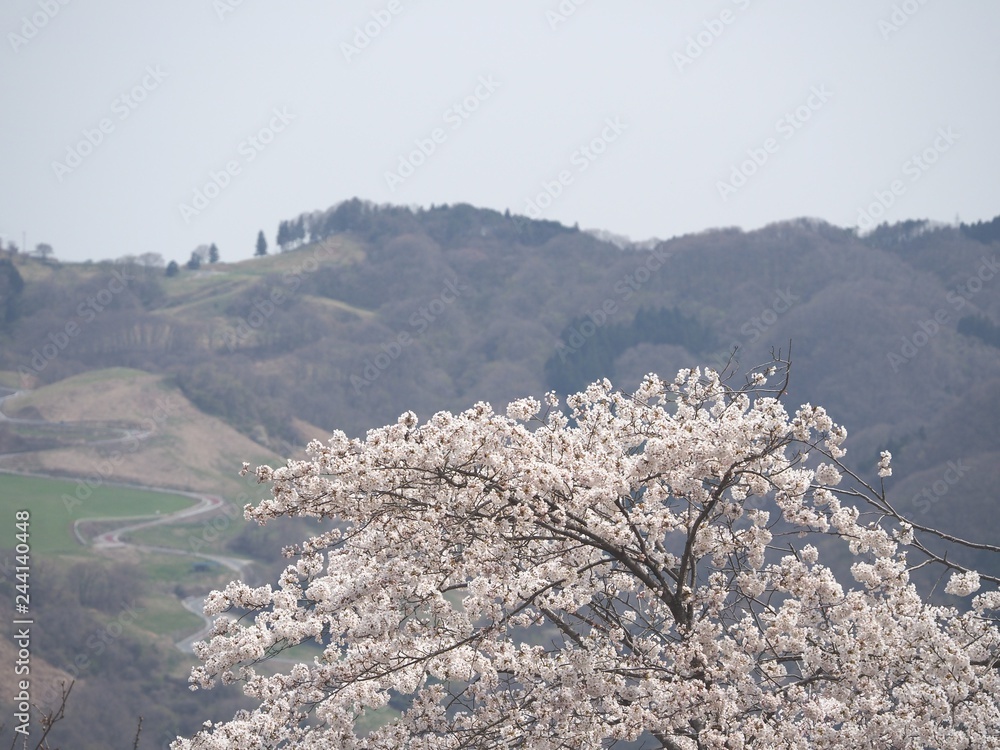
(205, 505)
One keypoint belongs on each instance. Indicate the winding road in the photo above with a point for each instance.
(205, 505)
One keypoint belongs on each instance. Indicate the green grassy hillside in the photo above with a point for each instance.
(55, 505)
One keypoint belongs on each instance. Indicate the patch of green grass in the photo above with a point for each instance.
(338, 251)
(127, 374)
(165, 615)
(52, 391)
(10, 379)
(64, 434)
(55, 504)
(205, 296)
(336, 304)
(188, 570)
(213, 533)
(60, 387)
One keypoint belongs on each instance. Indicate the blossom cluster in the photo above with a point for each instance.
(639, 567)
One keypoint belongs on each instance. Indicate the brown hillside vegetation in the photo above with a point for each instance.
(169, 442)
(388, 309)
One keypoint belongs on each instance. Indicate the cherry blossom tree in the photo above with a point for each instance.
(639, 571)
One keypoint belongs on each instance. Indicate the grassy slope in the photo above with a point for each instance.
(51, 538)
(185, 449)
(204, 293)
(51, 535)
(54, 507)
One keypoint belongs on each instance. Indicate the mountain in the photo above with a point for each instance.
(375, 310)
(386, 309)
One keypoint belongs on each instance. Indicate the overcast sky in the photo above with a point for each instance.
(214, 119)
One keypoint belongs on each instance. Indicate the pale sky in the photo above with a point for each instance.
(629, 116)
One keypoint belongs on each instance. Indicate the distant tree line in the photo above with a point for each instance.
(291, 234)
(980, 327)
(983, 231)
(201, 254)
(588, 350)
(11, 288)
(887, 235)
(446, 225)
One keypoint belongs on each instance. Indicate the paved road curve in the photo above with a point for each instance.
(205, 505)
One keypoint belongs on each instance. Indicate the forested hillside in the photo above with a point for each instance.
(386, 309)
(369, 311)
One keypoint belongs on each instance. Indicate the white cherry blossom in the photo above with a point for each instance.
(644, 567)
